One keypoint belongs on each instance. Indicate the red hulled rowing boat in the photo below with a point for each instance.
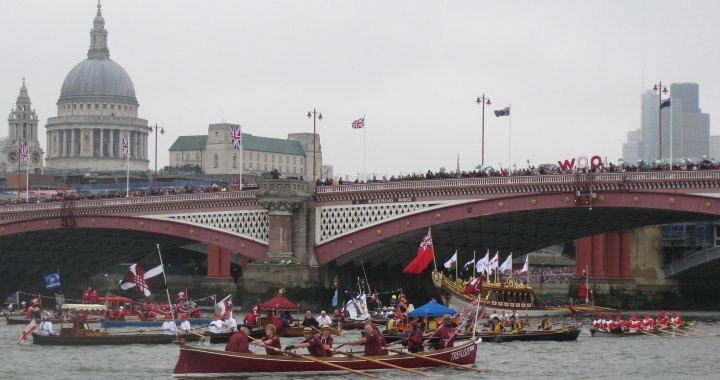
(203, 362)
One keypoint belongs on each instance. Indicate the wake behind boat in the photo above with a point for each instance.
(202, 362)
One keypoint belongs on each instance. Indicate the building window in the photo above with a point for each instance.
(81, 106)
(89, 106)
(125, 108)
(266, 159)
(177, 156)
(187, 156)
(112, 106)
(74, 106)
(215, 163)
(104, 106)
(197, 155)
(295, 160)
(257, 156)
(234, 160)
(97, 106)
(287, 159)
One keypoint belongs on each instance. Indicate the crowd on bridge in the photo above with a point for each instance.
(543, 169)
(64, 195)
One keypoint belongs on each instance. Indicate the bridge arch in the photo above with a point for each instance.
(243, 246)
(521, 223)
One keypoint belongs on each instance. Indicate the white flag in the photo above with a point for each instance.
(471, 262)
(526, 267)
(493, 264)
(507, 264)
(451, 263)
(482, 264)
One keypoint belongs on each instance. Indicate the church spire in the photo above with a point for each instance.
(98, 37)
(23, 98)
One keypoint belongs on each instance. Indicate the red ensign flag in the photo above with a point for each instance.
(425, 255)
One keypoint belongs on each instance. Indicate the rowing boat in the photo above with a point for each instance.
(564, 334)
(203, 362)
(594, 332)
(153, 323)
(97, 338)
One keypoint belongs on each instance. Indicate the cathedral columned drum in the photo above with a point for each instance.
(97, 108)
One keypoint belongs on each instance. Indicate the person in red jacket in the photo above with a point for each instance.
(446, 333)
(634, 325)
(371, 340)
(648, 323)
(239, 341)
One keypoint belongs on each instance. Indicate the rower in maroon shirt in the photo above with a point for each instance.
(271, 339)
(446, 333)
(311, 342)
(239, 342)
(372, 341)
(326, 339)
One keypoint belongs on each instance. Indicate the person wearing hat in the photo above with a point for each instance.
(184, 325)
(598, 322)
(371, 340)
(648, 324)
(676, 321)
(446, 333)
(414, 341)
(663, 321)
(120, 316)
(497, 326)
(238, 342)
(545, 323)
(618, 325)
(216, 325)
(326, 339)
(393, 300)
(311, 342)
(607, 322)
(634, 325)
(271, 339)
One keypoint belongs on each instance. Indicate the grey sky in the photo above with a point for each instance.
(572, 70)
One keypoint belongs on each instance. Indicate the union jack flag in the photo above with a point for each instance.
(24, 153)
(503, 112)
(359, 123)
(125, 146)
(236, 136)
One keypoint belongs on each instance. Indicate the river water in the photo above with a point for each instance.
(641, 357)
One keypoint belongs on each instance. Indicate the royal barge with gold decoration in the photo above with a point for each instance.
(500, 296)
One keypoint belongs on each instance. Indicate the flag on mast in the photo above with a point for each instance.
(125, 146)
(482, 265)
(493, 264)
(507, 264)
(469, 263)
(52, 280)
(665, 103)
(425, 254)
(359, 123)
(503, 112)
(236, 136)
(452, 262)
(144, 276)
(24, 153)
(526, 267)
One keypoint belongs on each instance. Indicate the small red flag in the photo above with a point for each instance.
(425, 255)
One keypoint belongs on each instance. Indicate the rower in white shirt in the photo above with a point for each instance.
(168, 327)
(324, 319)
(215, 326)
(231, 323)
(184, 325)
(46, 327)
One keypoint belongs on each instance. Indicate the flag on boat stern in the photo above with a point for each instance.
(425, 255)
(143, 277)
(52, 281)
(223, 307)
(32, 326)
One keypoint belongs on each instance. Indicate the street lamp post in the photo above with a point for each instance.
(660, 89)
(483, 101)
(162, 132)
(315, 115)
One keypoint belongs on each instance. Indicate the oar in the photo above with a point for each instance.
(647, 333)
(350, 354)
(316, 360)
(698, 330)
(435, 360)
(672, 331)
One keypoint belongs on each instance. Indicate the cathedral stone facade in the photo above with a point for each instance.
(96, 109)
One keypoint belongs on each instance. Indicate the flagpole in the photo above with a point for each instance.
(242, 152)
(510, 138)
(27, 177)
(474, 267)
(587, 285)
(366, 278)
(434, 260)
(456, 265)
(167, 291)
(127, 181)
(364, 170)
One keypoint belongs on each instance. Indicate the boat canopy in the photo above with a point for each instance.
(431, 309)
(279, 303)
(82, 307)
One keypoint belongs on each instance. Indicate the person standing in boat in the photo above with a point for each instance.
(238, 342)
(46, 327)
(545, 323)
(446, 333)
(184, 325)
(312, 343)
(168, 328)
(271, 339)
(326, 339)
(371, 340)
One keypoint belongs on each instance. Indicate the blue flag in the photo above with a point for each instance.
(52, 280)
(335, 299)
(12, 299)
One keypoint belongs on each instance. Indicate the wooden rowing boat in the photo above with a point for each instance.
(569, 333)
(594, 332)
(97, 338)
(202, 362)
(153, 323)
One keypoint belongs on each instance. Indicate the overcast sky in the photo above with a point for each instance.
(572, 70)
